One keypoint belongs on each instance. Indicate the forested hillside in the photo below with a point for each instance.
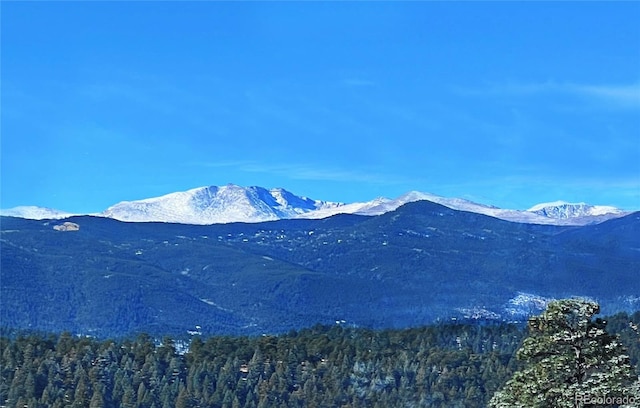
(414, 266)
(436, 366)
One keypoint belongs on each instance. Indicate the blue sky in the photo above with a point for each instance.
(503, 103)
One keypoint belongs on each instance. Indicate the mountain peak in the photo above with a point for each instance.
(217, 205)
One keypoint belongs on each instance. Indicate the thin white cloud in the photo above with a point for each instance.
(625, 96)
(297, 171)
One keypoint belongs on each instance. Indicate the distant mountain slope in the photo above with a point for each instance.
(415, 265)
(574, 214)
(563, 210)
(232, 203)
(35, 213)
(215, 205)
(466, 205)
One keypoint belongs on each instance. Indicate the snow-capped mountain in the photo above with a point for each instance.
(35, 213)
(599, 214)
(563, 210)
(377, 206)
(470, 206)
(232, 203)
(383, 205)
(589, 214)
(215, 205)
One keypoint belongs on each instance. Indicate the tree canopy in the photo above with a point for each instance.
(446, 365)
(569, 359)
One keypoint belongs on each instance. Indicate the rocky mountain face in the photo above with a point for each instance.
(563, 211)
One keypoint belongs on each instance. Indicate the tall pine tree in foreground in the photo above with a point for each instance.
(567, 355)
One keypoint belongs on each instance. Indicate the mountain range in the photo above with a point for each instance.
(420, 263)
(232, 203)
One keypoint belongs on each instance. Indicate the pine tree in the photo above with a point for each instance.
(97, 400)
(183, 400)
(567, 358)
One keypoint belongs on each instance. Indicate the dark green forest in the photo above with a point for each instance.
(445, 365)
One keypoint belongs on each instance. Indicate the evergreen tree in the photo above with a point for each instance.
(457, 365)
(97, 400)
(567, 357)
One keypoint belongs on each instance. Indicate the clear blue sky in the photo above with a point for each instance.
(503, 103)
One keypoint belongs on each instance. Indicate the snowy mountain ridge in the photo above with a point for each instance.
(547, 213)
(217, 205)
(33, 212)
(232, 203)
(564, 210)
